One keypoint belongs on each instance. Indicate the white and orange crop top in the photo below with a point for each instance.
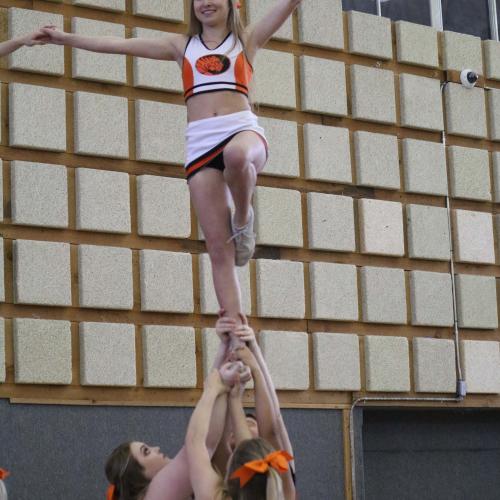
(210, 70)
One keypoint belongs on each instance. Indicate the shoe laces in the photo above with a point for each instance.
(238, 232)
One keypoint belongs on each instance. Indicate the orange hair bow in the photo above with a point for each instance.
(278, 460)
(110, 492)
(4, 474)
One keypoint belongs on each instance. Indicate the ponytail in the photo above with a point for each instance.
(3, 491)
(274, 487)
(254, 471)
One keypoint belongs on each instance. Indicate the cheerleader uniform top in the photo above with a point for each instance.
(225, 67)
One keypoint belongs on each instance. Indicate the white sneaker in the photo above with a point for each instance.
(244, 241)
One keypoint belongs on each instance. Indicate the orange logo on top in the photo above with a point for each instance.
(213, 64)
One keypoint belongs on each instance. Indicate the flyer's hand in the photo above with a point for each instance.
(35, 38)
(50, 34)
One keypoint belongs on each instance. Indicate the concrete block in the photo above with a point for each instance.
(496, 176)
(280, 289)
(152, 73)
(109, 68)
(373, 94)
(169, 354)
(48, 59)
(107, 354)
(496, 223)
(336, 362)
(2, 263)
(117, 5)
(428, 232)
(31, 107)
(494, 113)
(417, 44)
(39, 194)
(331, 222)
(1, 190)
(421, 104)
(327, 153)
(160, 131)
(102, 201)
(282, 350)
(105, 277)
(323, 86)
(208, 299)
(381, 227)
(377, 160)
(275, 85)
(171, 10)
(424, 165)
(166, 281)
(386, 307)
(210, 343)
(42, 273)
(491, 50)
(163, 207)
(369, 35)
(431, 299)
(321, 24)
(481, 365)
(477, 301)
(387, 364)
(462, 51)
(469, 173)
(465, 111)
(434, 365)
(282, 136)
(42, 351)
(473, 236)
(278, 217)
(256, 10)
(2, 351)
(334, 291)
(101, 125)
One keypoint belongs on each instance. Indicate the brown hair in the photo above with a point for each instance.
(126, 474)
(262, 486)
(234, 23)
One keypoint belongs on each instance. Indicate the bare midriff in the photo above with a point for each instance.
(216, 104)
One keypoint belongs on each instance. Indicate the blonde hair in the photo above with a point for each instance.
(270, 483)
(234, 23)
(3, 491)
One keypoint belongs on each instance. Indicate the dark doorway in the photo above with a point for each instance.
(431, 455)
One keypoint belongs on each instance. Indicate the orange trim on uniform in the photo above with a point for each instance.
(195, 166)
(242, 70)
(187, 77)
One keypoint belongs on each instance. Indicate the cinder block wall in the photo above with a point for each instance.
(105, 285)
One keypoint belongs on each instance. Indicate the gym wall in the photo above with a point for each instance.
(106, 288)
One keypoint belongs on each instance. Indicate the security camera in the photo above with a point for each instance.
(468, 77)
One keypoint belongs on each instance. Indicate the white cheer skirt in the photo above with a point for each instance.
(206, 138)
